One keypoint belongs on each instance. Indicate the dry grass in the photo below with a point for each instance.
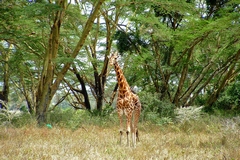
(211, 139)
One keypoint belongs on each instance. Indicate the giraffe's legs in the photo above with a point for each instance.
(128, 143)
(121, 128)
(129, 127)
(137, 135)
(121, 133)
(136, 119)
(133, 136)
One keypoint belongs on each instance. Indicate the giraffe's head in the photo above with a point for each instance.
(113, 58)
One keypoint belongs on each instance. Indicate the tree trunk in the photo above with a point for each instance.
(98, 91)
(48, 85)
(45, 91)
(189, 52)
(84, 90)
(4, 93)
(229, 75)
(113, 94)
(195, 84)
(183, 77)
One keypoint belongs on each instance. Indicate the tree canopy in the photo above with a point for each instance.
(54, 53)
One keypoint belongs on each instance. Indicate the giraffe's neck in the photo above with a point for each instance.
(122, 82)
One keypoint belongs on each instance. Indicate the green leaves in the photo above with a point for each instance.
(176, 48)
(128, 41)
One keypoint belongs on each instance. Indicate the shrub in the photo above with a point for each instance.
(15, 118)
(69, 118)
(60, 116)
(188, 113)
(229, 100)
(73, 119)
(77, 118)
(155, 110)
(25, 119)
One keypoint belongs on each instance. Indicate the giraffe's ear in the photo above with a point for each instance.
(110, 55)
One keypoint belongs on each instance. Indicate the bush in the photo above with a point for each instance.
(60, 116)
(155, 110)
(188, 113)
(69, 118)
(25, 119)
(76, 120)
(229, 100)
(15, 118)
(73, 119)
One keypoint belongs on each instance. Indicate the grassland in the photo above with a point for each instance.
(208, 138)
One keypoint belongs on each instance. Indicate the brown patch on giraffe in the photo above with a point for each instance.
(121, 85)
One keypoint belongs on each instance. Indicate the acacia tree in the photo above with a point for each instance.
(9, 31)
(94, 72)
(186, 56)
(49, 84)
(171, 49)
(51, 17)
(57, 51)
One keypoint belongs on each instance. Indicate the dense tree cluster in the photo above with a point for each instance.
(54, 52)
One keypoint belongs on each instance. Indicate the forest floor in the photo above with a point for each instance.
(196, 140)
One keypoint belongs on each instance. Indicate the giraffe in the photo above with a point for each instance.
(128, 103)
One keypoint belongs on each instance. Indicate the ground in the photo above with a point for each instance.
(186, 141)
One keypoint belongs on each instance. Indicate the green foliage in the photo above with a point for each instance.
(73, 119)
(163, 33)
(155, 110)
(25, 119)
(78, 117)
(6, 117)
(128, 41)
(60, 116)
(229, 100)
(106, 111)
(15, 118)
(67, 118)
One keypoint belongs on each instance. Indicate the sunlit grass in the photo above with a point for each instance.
(209, 138)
